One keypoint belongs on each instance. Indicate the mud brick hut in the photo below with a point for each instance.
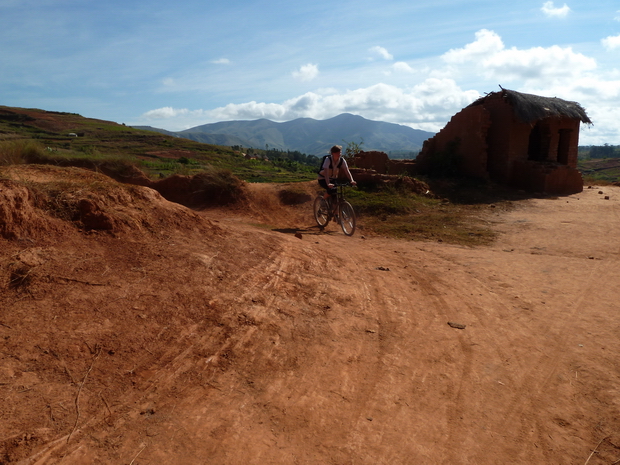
(523, 140)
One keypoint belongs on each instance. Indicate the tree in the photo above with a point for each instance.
(353, 148)
(602, 151)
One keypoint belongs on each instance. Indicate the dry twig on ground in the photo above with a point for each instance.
(77, 397)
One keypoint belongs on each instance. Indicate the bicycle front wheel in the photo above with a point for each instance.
(347, 218)
(321, 211)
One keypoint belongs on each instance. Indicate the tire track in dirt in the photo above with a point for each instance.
(521, 416)
(543, 369)
(399, 320)
(450, 301)
(267, 301)
(381, 309)
(431, 288)
(357, 363)
(367, 301)
(486, 312)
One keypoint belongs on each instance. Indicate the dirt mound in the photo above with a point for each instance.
(19, 216)
(203, 189)
(372, 178)
(44, 202)
(183, 337)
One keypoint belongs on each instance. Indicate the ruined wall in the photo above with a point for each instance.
(381, 163)
(547, 177)
(398, 167)
(372, 160)
(371, 177)
(469, 127)
(564, 180)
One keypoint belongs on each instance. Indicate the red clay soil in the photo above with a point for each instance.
(219, 337)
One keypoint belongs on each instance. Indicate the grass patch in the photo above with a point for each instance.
(600, 171)
(16, 152)
(456, 215)
(388, 201)
(454, 226)
(599, 180)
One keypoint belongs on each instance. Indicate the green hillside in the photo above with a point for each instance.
(64, 138)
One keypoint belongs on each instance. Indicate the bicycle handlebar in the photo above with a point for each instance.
(340, 184)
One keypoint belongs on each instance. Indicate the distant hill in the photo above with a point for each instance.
(161, 131)
(213, 139)
(309, 136)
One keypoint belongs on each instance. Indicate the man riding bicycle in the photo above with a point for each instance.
(333, 165)
(332, 204)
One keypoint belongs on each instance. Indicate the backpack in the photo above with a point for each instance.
(330, 163)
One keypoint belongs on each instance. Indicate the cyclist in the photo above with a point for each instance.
(333, 165)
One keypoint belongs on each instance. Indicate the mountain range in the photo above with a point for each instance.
(307, 135)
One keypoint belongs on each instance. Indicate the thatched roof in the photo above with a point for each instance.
(530, 108)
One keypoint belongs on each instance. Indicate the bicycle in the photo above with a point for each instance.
(344, 213)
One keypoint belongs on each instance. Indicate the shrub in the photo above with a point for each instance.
(217, 186)
(294, 196)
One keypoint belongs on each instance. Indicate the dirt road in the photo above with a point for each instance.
(220, 341)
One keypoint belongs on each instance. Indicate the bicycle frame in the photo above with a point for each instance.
(337, 208)
(339, 196)
(343, 211)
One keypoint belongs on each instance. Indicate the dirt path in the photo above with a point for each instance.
(244, 344)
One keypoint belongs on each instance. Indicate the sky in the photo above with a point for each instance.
(177, 65)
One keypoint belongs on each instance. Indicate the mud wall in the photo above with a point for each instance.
(466, 132)
(549, 177)
(381, 163)
(492, 142)
(508, 139)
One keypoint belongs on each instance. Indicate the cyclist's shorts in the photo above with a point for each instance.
(330, 191)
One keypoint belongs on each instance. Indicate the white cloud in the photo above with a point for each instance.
(550, 10)
(538, 63)
(402, 67)
(611, 42)
(165, 113)
(487, 56)
(434, 100)
(427, 105)
(306, 72)
(221, 61)
(486, 43)
(381, 52)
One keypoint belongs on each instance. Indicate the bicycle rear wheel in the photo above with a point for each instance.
(347, 218)
(321, 211)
